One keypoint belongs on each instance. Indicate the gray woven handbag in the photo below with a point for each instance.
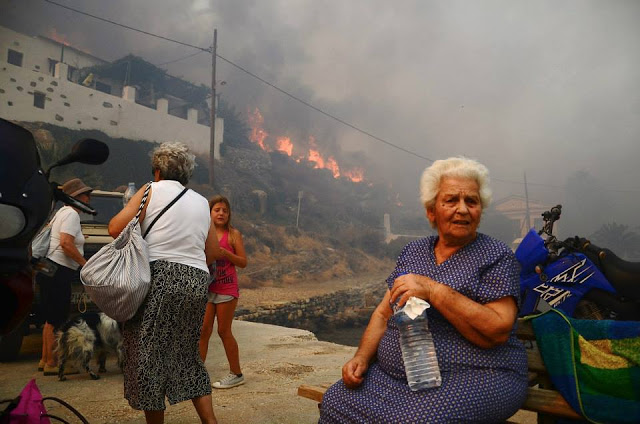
(117, 277)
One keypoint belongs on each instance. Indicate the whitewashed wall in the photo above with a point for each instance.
(37, 50)
(77, 107)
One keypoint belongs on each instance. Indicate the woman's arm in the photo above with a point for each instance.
(487, 325)
(68, 245)
(353, 371)
(239, 259)
(212, 248)
(118, 222)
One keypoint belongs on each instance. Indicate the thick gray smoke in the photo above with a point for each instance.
(548, 88)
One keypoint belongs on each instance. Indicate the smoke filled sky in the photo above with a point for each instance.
(549, 88)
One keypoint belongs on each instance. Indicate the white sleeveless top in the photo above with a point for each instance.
(180, 233)
(65, 221)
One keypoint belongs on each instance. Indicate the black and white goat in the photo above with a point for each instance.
(84, 335)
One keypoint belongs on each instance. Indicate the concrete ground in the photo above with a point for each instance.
(275, 361)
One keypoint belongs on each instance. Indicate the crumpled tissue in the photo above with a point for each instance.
(415, 306)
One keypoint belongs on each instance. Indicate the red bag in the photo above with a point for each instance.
(28, 408)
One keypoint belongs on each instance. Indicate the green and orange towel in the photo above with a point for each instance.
(594, 364)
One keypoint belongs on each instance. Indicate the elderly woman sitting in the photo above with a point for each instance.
(471, 282)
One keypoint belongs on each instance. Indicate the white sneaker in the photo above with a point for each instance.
(229, 381)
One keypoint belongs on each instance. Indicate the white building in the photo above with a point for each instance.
(42, 80)
(517, 209)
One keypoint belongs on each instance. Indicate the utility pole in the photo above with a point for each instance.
(527, 216)
(298, 214)
(212, 141)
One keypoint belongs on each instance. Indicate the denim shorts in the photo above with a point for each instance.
(216, 298)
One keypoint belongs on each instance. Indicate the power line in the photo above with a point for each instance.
(126, 26)
(286, 93)
(304, 102)
(179, 59)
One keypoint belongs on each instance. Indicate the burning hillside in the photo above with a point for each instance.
(300, 151)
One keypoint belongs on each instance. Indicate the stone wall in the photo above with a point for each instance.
(345, 308)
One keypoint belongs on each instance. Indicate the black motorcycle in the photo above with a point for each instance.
(27, 198)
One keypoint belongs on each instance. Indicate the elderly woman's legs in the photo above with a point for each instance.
(204, 408)
(203, 405)
(48, 343)
(154, 417)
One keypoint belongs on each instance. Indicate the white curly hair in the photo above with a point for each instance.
(174, 161)
(459, 167)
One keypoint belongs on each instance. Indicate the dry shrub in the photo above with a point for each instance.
(341, 269)
(290, 279)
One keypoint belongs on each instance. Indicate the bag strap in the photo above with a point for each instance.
(13, 403)
(166, 208)
(71, 408)
(144, 200)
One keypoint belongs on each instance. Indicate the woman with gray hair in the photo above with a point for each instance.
(161, 340)
(471, 282)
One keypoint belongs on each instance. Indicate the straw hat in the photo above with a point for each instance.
(75, 187)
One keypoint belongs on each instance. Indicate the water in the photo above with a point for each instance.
(418, 352)
(128, 194)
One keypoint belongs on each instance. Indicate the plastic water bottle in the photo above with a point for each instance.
(128, 194)
(418, 351)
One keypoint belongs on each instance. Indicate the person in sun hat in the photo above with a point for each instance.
(66, 249)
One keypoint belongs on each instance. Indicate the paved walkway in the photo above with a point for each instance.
(275, 361)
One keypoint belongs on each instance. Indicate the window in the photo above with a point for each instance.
(105, 88)
(14, 58)
(72, 73)
(38, 100)
(52, 66)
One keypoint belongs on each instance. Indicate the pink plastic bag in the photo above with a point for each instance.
(30, 409)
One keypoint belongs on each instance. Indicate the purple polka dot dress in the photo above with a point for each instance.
(478, 385)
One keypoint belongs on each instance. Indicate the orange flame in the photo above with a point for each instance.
(60, 38)
(332, 166)
(316, 157)
(284, 145)
(356, 174)
(258, 134)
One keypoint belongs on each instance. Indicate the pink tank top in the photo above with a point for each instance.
(226, 281)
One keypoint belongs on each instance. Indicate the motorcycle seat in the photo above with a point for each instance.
(623, 275)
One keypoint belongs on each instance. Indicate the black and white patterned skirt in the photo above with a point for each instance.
(161, 340)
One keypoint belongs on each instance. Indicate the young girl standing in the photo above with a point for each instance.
(223, 291)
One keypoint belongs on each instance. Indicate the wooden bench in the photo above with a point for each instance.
(541, 398)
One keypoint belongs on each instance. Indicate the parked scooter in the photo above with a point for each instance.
(27, 198)
(575, 276)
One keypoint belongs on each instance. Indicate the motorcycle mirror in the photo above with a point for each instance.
(88, 150)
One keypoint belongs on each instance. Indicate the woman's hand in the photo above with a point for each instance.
(353, 372)
(122, 218)
(485, 325)
(411, 285)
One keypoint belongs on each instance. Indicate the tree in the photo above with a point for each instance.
(586, 207)
(236, 130)
(619, 239)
